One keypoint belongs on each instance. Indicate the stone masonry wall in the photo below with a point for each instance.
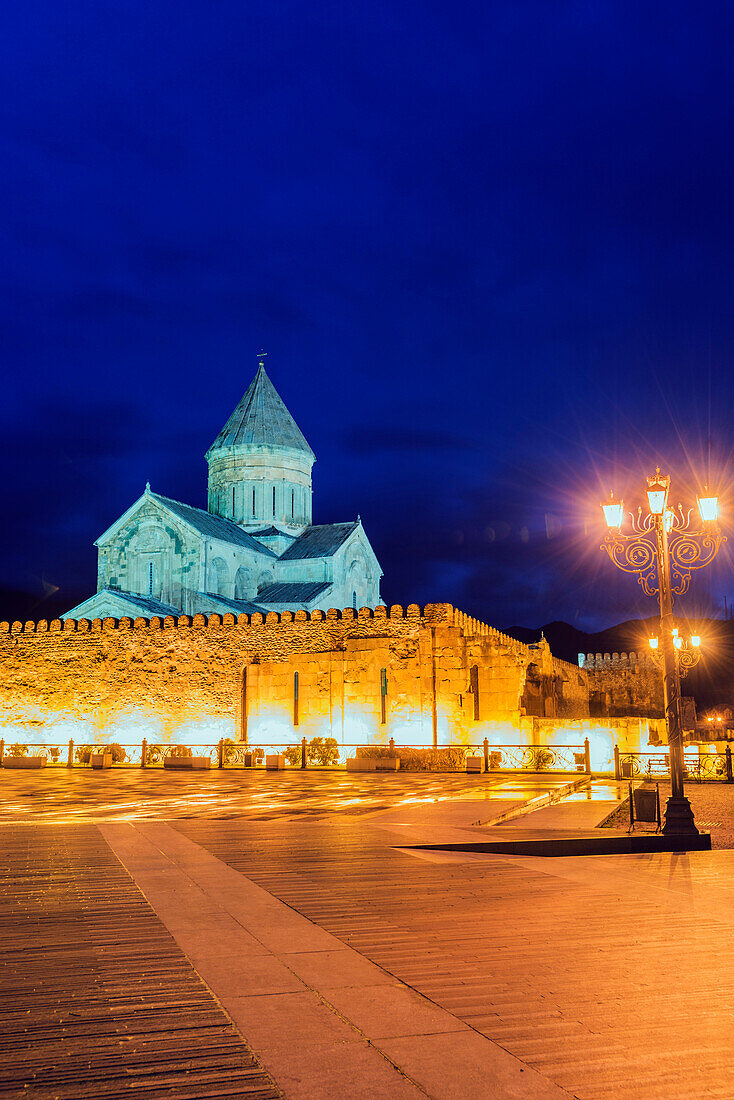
(196, 680)
(624, 684)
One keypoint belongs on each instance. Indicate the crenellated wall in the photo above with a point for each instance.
(624, 684)
(201, 678)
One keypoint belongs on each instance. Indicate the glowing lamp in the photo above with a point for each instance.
(708, 508)
(613, 512)
(709, 719)
(653, 643)
(718, 719)
(695, 640)
(677, 642)
(657, 492)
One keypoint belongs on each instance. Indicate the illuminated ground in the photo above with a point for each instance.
(80, 794)
(352, 965)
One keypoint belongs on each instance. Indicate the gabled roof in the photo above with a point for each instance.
(268, 532)
(214, 527)
(123, 603)
(261, 419)
(292, 591)
(321, 541)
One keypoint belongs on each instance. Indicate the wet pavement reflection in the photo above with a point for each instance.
(64, 795)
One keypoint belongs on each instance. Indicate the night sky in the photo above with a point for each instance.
(488, 248)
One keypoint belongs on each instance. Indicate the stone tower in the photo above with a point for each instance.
(260, 464)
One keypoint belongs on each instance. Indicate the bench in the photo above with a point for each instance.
(475, 765)
(24, 762)
(275, 762)
(101, 759)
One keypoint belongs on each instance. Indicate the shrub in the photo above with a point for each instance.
(52, 753)
(412, 759)
(233, 748)
(83, 753)
(293, 755)
(323, 751)
(180, 750)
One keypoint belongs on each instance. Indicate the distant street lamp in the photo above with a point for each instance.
(687, 651)
(662, 549)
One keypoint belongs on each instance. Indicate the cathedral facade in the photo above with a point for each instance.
(255, 548)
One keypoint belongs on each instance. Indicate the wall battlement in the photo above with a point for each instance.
(609, 660)
(432, 614)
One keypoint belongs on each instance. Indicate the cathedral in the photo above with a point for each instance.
(253, 549)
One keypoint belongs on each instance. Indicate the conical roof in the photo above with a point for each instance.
(261, 419)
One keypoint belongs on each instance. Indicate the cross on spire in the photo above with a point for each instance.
(261, 356)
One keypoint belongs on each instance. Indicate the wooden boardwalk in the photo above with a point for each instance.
(96, 998)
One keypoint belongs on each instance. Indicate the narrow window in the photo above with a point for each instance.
(354, 600)
(243, 707)
(293, 503)
(273, 500)
(233, 502)
(383, 696)
(253, 502)
(474, 689)
(150, 578)
(295, 698)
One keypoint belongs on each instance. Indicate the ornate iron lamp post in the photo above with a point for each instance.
(663, 548)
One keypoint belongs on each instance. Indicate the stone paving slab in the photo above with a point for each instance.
(314, 1034)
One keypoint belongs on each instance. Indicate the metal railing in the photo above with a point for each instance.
(316, 753)
(656, 765)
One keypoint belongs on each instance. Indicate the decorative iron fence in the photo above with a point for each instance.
(317, 753)
(656, 765)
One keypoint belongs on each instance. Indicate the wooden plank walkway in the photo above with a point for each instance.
(612, 977)
(96, 998)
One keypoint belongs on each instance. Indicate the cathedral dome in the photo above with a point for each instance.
(260, 463)
(261, 420)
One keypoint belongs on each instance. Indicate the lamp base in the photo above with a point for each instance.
(679, 816)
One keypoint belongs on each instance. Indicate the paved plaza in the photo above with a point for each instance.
(256, 935)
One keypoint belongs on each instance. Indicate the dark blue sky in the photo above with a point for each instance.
(489, 248)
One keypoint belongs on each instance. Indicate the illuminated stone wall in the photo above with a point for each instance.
(186, 680)
(624, 684)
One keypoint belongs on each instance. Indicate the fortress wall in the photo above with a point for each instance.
(625, 684)
(183, 680)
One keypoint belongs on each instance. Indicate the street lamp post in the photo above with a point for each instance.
(662, 549)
